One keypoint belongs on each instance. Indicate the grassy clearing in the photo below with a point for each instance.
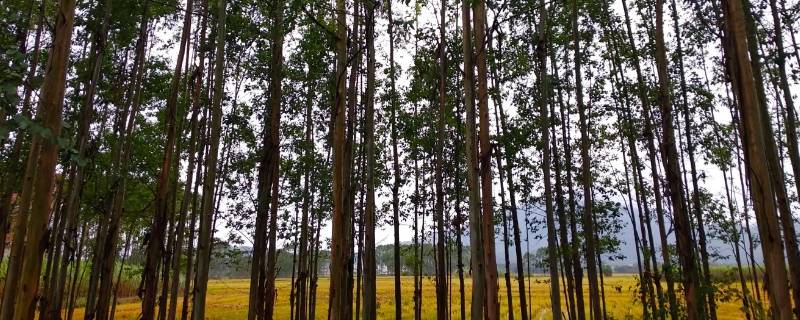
(227, 299)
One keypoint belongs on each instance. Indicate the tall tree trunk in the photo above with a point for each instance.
(50, 103)
(470, 153)
(735, 244)
(398, 296)
(696, 206)
(273, 151)
(485, 159)
(542, 102)
(761, 188)
(304, 262)
(562, 226)
(645, 285)
(70, 208)
(76, 272)
(155, 243)
(340, 253)
(586, 174)
(649, 286)
(188, 195)
(115, 293)
(509, 179)
(773, 156)
(370, 291)
(101, 281)
(441, 272)
(660, 213)
(205, 238)
(574, 250)
(791, 140)
(459, 219)
(196, 209)
(694, 296)
(15, 261)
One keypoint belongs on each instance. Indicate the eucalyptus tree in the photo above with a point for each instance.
(695, 303)
(761, 190)
(543, 104)
(586, 174)
(35, 199)
(155, 244)
(472, 168)
(205, 236)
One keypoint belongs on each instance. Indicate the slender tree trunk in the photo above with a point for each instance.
(398, 296)
(736, 251)
(470, 153)
(562, 221)
(308, 168)
(315, 263)
(187, 198)
(459, 220)
(195, 209)
(340, 253)
(773, 157)
(574, 250)
(503, 206)
(485, 160)
(205, 239)
(643, 289)
(791, 139)
(70, 208)
(586, 174)
(501, 126)
(370, 291)
(696, 206)
(542, 102)
(199, 175)
(155, 243)
(273, 148)
(441, 272)
(692, 293)
(648, 133)
(646, 276)
(761, 188)
(101, 281)
(51, 100)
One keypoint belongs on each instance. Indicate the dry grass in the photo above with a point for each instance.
(227, 299)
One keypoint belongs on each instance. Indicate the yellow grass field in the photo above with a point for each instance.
(227, 299)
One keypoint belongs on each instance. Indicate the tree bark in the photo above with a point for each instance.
(155, 243)
(205, 238)
(472, 169)
(398, 296)
(370, 291)
(340, 253)
(683, 234)
(542, 102)
(586, 174)
(441, 272)
(761, 188)
(50, 114)
(485, 159)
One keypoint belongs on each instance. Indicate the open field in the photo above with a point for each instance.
(227, 299)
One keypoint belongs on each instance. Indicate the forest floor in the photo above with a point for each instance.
(227, 299)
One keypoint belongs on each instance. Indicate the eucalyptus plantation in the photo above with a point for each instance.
(309, 159)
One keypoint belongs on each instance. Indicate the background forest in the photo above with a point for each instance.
(315, 147)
